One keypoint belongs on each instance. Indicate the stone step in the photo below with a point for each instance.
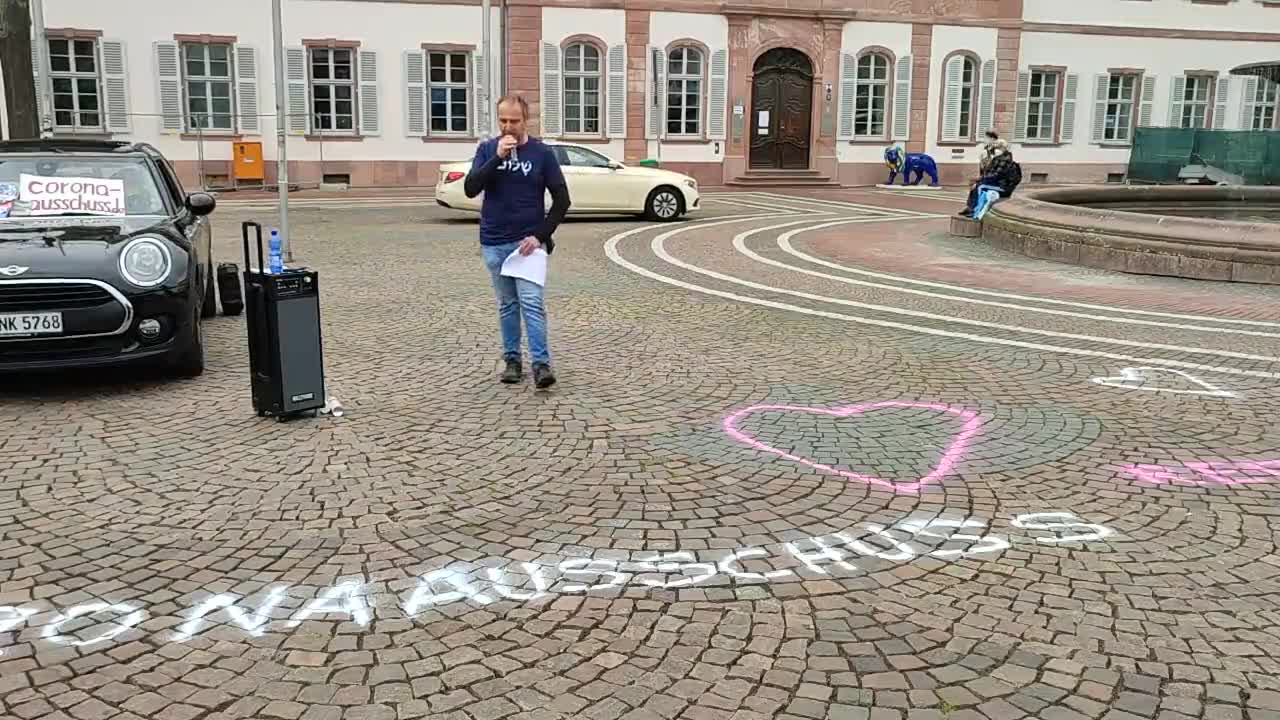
(783, 179)
(965, 227)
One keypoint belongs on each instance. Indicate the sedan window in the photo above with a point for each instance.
(582, 157)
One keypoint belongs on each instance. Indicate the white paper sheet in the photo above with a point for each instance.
(531, 267)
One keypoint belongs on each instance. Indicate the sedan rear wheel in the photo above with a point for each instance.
(664, 204)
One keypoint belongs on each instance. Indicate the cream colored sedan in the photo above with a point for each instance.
(598, 185)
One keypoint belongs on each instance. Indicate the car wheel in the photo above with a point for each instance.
(191, 362)
(209, 307)
(664, 204)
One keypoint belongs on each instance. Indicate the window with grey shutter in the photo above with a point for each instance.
(987, 99)
(369, 95)
(848, 88)
(551, 91)
(616, 84)
(871, 97)
(485, 103)
(451, 88)
(959, 77)
(77, 96)
(581, 75)
(685, 68)
(115, 85)
(1222, 85)
(1070, 86)
(169, 87)
(298, 120)
(333, 90)
(248, 120)
(718, 98)
(902, 99)
(1115, 108)
(206, 79)
(415, 93)
(655, 92)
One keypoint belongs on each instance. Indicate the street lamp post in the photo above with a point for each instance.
(282, 155)
(488, 53)
(44, 87)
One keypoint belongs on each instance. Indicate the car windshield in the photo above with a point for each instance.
(53, 185)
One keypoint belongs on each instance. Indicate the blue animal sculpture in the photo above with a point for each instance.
(918, 164)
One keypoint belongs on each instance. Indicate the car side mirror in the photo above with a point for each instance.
(201, 203)
(613, 165)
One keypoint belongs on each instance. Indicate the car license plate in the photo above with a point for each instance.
(17, 324)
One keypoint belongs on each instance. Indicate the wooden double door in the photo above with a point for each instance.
(781, 110)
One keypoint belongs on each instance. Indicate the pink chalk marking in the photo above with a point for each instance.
(952, 455)
(1206, 474)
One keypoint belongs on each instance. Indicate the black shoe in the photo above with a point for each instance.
(543, 378)
(514, 372)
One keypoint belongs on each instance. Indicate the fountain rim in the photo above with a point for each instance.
(1062, 208)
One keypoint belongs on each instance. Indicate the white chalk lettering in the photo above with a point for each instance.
(833, 554)
(920, 529)
(352, 603)
(663, 566)
(255, 625)
(424, 595)
(726, 565)
(569, 567)
(905, 552)
(135, 616)
(533, 571)
(16, 616)
(1031, 522)
(824, 551)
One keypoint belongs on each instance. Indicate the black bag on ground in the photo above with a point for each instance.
(229, 290)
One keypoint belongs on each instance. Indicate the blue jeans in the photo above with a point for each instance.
(517, 297)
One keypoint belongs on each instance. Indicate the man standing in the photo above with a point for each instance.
(515, 172)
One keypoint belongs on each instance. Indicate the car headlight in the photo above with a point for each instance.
(693, 184)
(145, 261)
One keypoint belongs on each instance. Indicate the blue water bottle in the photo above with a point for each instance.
(276, 260)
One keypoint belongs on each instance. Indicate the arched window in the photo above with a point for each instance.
(871, 98)
(968, 71)
(685, 66)
(582, 89)
(960, 99)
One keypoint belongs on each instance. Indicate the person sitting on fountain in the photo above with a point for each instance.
(1002, 175)
(989, 149)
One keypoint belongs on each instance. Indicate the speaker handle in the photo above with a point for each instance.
(248, 260)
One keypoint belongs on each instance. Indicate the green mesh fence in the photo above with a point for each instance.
(1159, 153)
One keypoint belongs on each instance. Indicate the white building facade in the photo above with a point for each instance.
(380, 92)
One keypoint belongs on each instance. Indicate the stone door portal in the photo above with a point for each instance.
(781, 110)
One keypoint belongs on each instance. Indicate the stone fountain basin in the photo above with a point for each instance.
(1097, 226)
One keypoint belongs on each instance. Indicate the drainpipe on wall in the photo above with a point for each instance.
(486, 82)
(502, 38)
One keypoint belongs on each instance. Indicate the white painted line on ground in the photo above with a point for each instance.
(852, 205)
(739, 239)
(1015, 296)
(611, 251)
(784, 242)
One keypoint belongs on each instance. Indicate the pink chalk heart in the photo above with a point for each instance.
(950, 457)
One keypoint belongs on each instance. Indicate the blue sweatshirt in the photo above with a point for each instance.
(514, 190)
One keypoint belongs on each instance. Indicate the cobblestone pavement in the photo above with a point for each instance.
(809, 458)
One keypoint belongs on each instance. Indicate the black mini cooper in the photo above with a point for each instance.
(104, 259)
